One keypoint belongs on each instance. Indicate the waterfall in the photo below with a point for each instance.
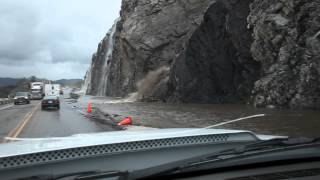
(103, 85)
(86, 85)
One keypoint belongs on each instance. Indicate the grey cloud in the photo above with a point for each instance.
(59, 34)
(18, 36)
(64, 51)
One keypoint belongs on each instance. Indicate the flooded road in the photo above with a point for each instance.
(298, 123)
(70, 120)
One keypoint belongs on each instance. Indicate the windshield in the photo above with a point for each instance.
(21, 94)
(141, 66)
(50, 97)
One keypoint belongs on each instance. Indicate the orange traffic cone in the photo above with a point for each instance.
(89, 108)
(125, 121)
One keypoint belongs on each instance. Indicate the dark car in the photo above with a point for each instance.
(22, 98)
(50, 102)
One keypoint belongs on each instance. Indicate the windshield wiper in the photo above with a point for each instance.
(85, 175)
(267, 144)
(258, 148)
(279, 144)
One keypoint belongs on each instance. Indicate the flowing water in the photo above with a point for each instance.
(299, 123)
(87, 80)
(106, 64)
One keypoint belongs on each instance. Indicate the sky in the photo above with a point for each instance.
(52, 39)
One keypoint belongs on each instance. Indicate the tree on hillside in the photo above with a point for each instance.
(33, 79)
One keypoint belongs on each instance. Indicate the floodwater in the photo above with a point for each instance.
(297, 123)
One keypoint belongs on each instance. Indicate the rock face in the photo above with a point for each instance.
(216, 65)
(149, 35)
(213, 51)
(287, 44)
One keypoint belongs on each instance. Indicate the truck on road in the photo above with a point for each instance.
(52, 90)
(37, 90)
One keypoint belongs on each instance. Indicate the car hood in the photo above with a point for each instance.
(21, 146)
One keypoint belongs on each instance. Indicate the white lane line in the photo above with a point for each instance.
(6, 107)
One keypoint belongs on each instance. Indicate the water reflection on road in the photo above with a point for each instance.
(277, 121)
(59, 123)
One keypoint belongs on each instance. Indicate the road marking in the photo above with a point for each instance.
(18, 129)
(6, 107)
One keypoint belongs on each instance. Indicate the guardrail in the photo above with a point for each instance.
(5, 101)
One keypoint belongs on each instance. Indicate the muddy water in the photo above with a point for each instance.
(301, 123)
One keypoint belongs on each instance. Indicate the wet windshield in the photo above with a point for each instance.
(50, 97)
(21, 94)
(143, 66)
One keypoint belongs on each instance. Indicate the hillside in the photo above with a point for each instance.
(8, 81)
(263, 52)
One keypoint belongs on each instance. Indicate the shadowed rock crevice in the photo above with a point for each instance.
(216, 66)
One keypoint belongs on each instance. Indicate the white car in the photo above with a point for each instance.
(160, 154)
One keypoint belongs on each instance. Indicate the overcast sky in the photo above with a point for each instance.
(52, 39)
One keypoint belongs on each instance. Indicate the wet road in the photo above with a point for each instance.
(11, 116)
(298, 123)
(29, 121)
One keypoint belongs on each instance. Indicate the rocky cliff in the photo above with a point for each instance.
(260, 51)
(148, 35)
(216, 65)
(287, 44)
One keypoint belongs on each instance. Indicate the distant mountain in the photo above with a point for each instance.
(68, 82)
(8, 81)
(8, 86)
(4, 82)
(11, 85)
